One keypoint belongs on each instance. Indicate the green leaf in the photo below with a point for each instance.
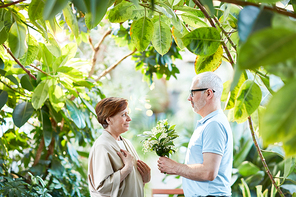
(193, 21)
(32, 52)
(3, 33)
(267, 1)
(57, 169)
(278, 123)
(56, 97)
(16, 39)
(178, 37)
(285, 70)
(208, 4)
(208, 63)
(33, 7)
(241, 156)
(47, 57)
(47, 128)
(75, 114)
(248, 100)
(202, 41)
(189, 11)
(245, 188)
(281, 21)
(233, 95)
(121, 12)
(1, 64)
(97, 12)
(53, 7)
(71, 20)
(141, 33)
(3, 98)
(247, 169)
(175, 19)
(258, 50)
(12, 79)
(162, 37)
(69, 50)
(40, 94)
(52, 45)
(289, 167)
(26, 83)
(89, 106)
(22, 113)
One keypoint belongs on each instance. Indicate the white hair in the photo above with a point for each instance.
(210, 80)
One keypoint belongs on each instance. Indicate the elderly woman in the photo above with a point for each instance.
(114, 168)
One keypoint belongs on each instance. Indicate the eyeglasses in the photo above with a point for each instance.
(196, 90)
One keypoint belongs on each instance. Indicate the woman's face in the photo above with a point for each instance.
(120, 122)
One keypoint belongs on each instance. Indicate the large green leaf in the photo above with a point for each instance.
(53, 7)
(47, 128)
(98, 9)
(36, 9)
(208, 4)
(141, 33)
(32, 52)
(178, 37)
(193, 21)
(189, 11)
(3, 33)
(56, 168)
(202, 41)
(233, 95)
(56, 97)
(40, 94)
(3, 98)
(247, 168)
(208, 63)
(248, 100)
(267, 47)
(26, 82)
(162, 37)
(16, 39)
(71, 20)
(47, 57)
(280, 21)
(22, 113)
(285, 70)
(89, 106)
(175, 19)
(121, 12)
(278, 123)
(75, 114)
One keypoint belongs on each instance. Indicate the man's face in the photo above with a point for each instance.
(197, 98)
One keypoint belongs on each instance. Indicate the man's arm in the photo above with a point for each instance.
(206, 171)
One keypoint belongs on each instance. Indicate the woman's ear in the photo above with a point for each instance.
(108, 120)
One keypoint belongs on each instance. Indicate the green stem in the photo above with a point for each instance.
(262, 158)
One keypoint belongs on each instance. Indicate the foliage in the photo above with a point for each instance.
(160, 139)
(47, 99)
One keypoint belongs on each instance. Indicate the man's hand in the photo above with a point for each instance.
(166, 165)
(144, 170)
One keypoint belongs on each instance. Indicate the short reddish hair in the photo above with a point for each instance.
(109, 107)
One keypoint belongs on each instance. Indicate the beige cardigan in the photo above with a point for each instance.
(104, 166)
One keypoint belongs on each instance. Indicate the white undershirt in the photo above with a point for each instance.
(121, 145)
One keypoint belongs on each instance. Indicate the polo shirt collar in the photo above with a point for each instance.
(209, 116)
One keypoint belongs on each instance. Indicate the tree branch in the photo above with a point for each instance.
(274, 9)
(12, 3)
(39, 151)
(224, 32)
(114, 65)
(96, 50)
(262, 158)
(18, 62)
(39, 69)
(213, 25)
(13, 89)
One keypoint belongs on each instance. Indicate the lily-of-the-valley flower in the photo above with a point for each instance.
(160, 139)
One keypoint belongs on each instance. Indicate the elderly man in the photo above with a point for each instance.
(208, 162)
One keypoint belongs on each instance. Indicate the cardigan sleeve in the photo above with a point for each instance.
(103, 178)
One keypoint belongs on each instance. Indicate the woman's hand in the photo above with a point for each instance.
(128, 161)
(144, 170)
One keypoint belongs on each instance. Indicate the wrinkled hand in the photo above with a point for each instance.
(166, 165)
(144, 170)
(127, 159)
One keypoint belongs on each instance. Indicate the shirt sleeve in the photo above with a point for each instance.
(103, 178)
(214, 138)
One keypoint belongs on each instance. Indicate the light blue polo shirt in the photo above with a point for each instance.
(212, 134)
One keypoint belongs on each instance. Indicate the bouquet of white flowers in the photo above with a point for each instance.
(160, 139)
